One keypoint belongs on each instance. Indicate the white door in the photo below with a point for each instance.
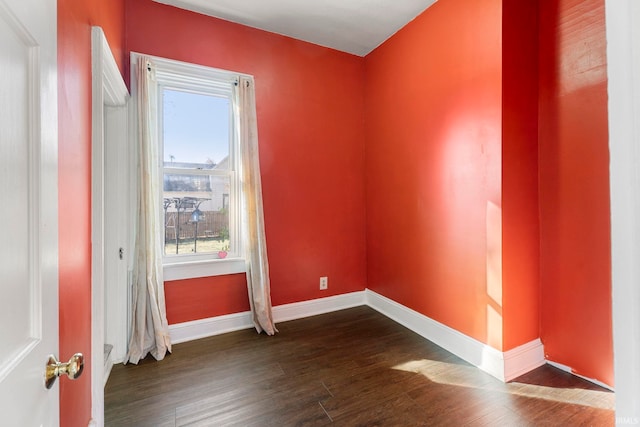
(28, 211)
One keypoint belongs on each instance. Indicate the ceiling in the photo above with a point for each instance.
(353, 26)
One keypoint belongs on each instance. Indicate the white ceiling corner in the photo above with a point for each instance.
(352, 26)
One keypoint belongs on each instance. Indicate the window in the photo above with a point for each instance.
(197, 171)
(198, 166)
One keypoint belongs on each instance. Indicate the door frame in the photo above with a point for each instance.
(108, 90)
(623, 69)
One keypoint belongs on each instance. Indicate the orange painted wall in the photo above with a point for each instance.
(520, 225)
(217, 296)
(75, 18)
(310, 125)
(433, 169)
(574, 188)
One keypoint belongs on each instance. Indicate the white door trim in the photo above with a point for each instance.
(623, 68)
(108, 89)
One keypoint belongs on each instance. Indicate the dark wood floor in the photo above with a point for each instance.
(349, 368)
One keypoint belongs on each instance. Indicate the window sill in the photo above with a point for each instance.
(194, 269)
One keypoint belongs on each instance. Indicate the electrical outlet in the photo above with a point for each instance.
(324, 283)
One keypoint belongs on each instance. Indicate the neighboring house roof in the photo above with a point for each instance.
(185, 165)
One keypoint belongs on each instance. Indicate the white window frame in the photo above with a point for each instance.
(194, 78)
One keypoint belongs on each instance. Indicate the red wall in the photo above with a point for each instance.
(216, 296)
(75, 18)
(574, 188)
(449, 135)
(487, 175)
(433, 169)
(520, 225)
(310, 123)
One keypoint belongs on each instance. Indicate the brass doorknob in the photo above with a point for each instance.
(73, 369)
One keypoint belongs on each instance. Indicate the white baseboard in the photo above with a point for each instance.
(570, 370)
(188, 331)
(108, 365)
(299, 310)
(522, 359)
(504, 366)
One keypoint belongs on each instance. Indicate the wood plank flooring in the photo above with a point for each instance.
(349, 368)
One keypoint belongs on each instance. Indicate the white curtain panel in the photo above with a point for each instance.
(149, 326)
(253, 235)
